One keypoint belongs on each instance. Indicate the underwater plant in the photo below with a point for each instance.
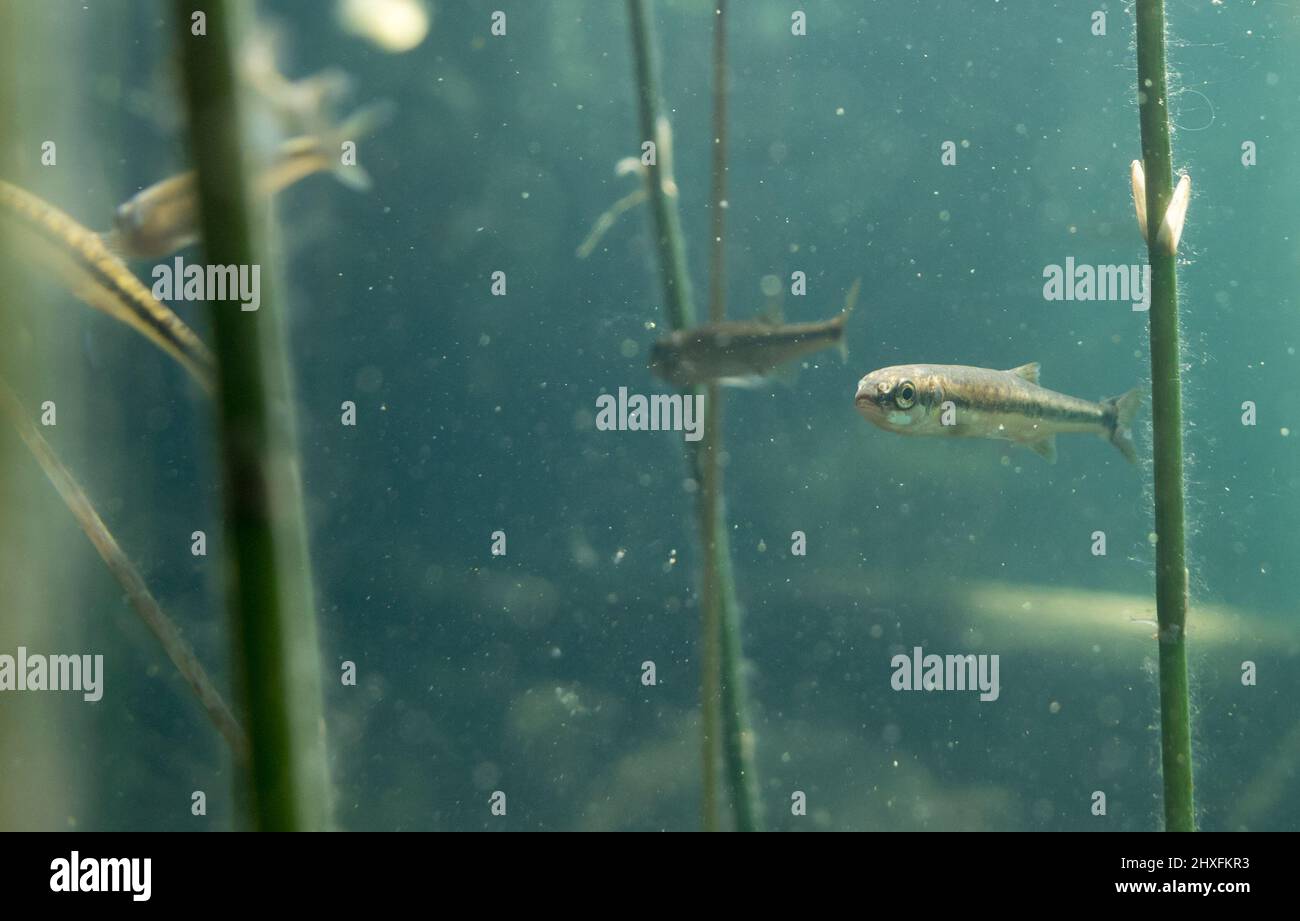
(723, 706)
(126, 573)
(269, 591)
(35, 234)
(1153, 196)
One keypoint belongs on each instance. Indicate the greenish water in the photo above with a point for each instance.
(476, 413)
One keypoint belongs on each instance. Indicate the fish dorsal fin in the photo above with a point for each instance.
(1029, 372)
(1044, 448)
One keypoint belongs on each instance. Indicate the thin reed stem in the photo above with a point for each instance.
(137, 592)
(1167, 425)
(722, 698)
(268, 578)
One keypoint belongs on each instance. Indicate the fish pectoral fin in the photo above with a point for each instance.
(1044, 448)
(1029, 372)
(749, 382)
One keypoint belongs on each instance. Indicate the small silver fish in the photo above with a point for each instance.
(298, 107)
(961, 401)
(77, 256)
(164, 218)
(743, 352)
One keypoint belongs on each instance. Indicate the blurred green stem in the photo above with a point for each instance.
(137, 592)
(268, 580)
(1167, 425)
(667, 226)
(737, 740)
(723, 716)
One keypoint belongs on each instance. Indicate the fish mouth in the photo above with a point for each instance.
(865, 401)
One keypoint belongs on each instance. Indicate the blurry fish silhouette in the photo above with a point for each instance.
(299, 107)
(743, 353)
(164, 217)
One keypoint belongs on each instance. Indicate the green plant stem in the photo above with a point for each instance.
(667, 226)
(137, 592)
(711, 596)
(713, 522)
(268, 581)
(737, 739)
(718, 191)
(680, 308)
(1166, 414)
(723, 710)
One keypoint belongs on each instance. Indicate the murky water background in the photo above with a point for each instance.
(476, 413)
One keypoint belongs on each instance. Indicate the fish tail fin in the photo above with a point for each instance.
(850, 301)
(1120, 413)
(112, 240)
(359, 124)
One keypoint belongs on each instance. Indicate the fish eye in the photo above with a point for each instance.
(905, 395)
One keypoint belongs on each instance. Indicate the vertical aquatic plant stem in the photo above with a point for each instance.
(725, 621)
(722, 692)
(680, 307)
(713, 521)
(1167, 425)
(718, 190)
(268, 582)
(667, 226)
